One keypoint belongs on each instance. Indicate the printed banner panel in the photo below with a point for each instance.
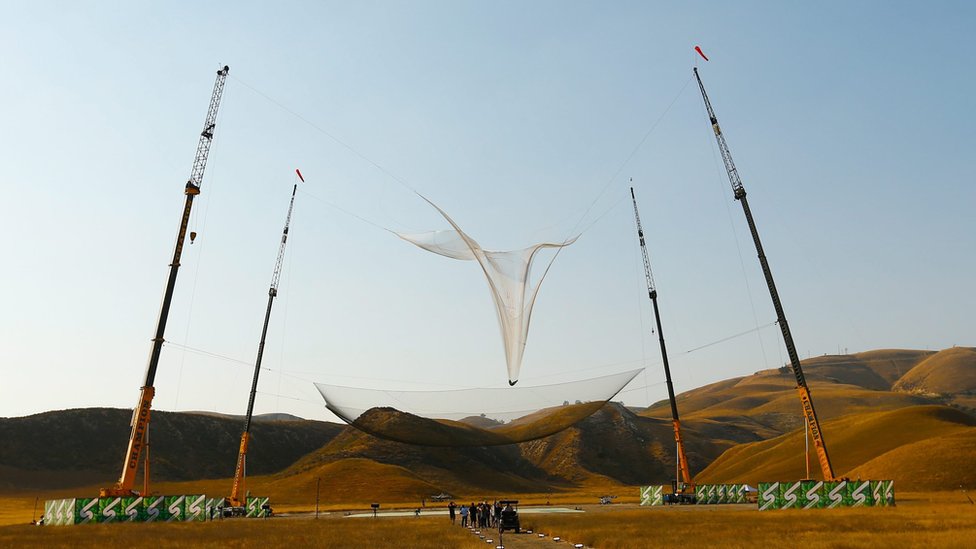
(154, 508)
(175, 508)
(652, 495)
(196, 508)
(59, 512)
(257, 507)
(720, 494)
(815, 494)
(110, 509)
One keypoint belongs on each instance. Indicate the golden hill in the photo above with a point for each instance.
(853, 441)
(393, 424)
(939, 462)
(947, 372)
(766, 404)
(611, 448)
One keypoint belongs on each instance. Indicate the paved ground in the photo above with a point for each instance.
(508, 540)
(511, 540)
(491, 536)
(443, 512)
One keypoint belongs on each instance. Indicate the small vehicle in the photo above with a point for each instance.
(509, 518)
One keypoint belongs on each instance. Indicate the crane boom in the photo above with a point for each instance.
(141, 413)
(652, 294)
(239, 472)
(801, 384)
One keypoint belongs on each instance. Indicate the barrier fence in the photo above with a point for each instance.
(185, 508)
(705, 494)
(802, 494)
(816, 494)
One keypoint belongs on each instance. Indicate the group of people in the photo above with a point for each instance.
(476, 515)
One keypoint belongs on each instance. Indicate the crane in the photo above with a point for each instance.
(739, 192)
(680, 494)
(140, 415)
(236, 499)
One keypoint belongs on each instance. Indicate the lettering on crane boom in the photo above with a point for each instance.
(808, 411)
(141, 422)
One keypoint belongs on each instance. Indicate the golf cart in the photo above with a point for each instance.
(509, 519)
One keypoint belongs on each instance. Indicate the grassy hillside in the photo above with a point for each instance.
(940, 462)
(85, 446)
(766, 404)
(613, 447)
(743, 429)
(948, 372)
(853, 442)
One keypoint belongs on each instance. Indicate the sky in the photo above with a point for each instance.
(850, 124)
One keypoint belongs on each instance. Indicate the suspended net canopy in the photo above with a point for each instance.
(509, 277)
(472, 417)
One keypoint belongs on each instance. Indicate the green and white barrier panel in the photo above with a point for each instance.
(257, 507)
(185, 508)
(652, 495)
(720, 494)
(705, 494)
(816, 494)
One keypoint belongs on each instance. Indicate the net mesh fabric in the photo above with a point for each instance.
(509, 275)
(472, 417)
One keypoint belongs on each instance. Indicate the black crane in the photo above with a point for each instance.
(685, 492)
(236, 499)
(801, 383)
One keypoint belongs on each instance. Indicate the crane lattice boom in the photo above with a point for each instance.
(682, 458)
(801, 384)
(240, 470)
(141, 413)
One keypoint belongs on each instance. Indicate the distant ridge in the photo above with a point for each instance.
(890, 413)
(257, 417)
(83, 446)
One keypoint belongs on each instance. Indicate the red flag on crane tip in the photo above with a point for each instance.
(698, 49)
(299, 175)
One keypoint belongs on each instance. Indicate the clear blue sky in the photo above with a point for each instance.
(851, 124)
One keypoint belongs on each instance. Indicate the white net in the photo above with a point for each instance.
(472, 417)
(509, 277)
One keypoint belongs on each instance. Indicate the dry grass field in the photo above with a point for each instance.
(327, 533)
(944, 519)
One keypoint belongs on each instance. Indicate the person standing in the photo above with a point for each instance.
(451, 507)
(464, 516)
